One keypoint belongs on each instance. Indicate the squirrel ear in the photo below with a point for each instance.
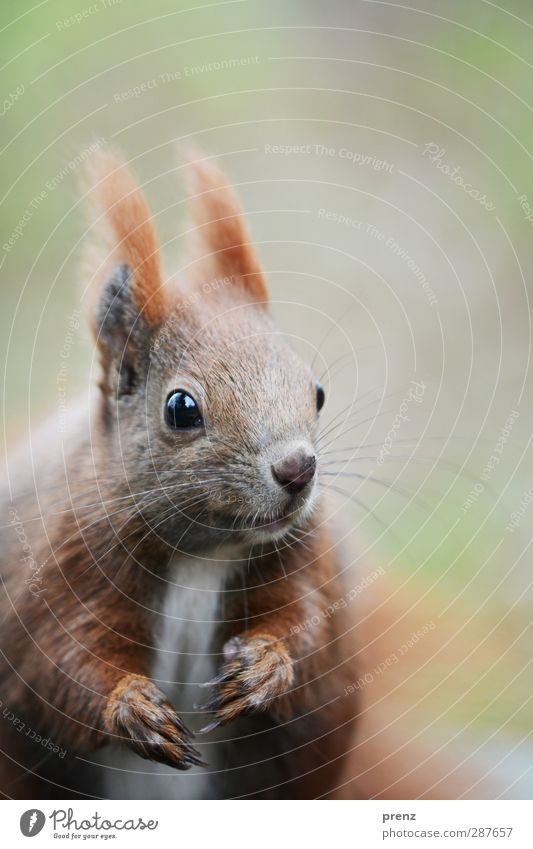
(222, 235)
(120, 331)
(124, 234)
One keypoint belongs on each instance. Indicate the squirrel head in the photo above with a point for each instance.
(207, 415)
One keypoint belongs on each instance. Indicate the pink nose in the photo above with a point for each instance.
(295, 471)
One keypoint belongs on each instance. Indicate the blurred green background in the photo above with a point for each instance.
(381, 151)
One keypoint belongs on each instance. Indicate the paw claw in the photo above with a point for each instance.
(211, 726)
(256, 672)
(192, 760)
(138, 712)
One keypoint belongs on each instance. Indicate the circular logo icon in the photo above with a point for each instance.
(32, 822)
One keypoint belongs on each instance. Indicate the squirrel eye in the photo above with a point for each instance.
(182, 411)
(320, 397)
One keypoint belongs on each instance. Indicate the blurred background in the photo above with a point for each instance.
(382, 153)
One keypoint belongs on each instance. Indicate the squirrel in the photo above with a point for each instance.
(168, 560)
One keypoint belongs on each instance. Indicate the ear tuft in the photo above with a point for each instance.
(124, 234)
(222, 233)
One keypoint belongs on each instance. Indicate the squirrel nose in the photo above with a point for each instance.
(295, 471)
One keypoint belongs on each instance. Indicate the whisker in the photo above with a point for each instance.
(329, 368)
(407, 494)
(358, 409)
(361, 504)
(354, 403)
(356, 425)
(280, 561)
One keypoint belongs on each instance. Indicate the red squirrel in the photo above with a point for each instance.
(181, 555)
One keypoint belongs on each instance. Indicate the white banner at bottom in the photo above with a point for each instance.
(261, 824)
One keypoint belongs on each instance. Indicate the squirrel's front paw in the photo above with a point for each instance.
(138, 712)
(256, 671)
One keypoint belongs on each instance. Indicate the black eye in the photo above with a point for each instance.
(320, 397)
(182, 411)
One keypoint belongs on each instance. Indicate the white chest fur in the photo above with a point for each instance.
(190, 614)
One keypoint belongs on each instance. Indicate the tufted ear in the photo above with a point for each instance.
(127, 296)
(123, 234)
(222, 239)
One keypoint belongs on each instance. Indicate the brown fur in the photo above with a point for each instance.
(137, 712)
(104, 515)
(222, 236)
(123, 232)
